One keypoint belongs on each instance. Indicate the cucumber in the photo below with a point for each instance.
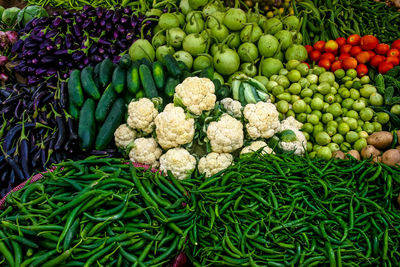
(105, 103)
(128, 96)
(125, 61)
(146, 62)
(97, 69)
(140, 94)
(96, 75)
(158, 74)
(113, 120)
(207, 73)
(75, 91)
(88, 84)
(119, 79)
(132, 77)
(223, 92)
(147, 81)
(106, 71)
(182, 66)
(242, 99)
(73, 111)
(87, 126)
(172, 65)
(170, 85)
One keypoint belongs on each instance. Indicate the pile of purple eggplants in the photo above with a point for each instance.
(52, 46)
(35, 132)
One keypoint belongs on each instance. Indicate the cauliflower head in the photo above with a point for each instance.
(297, 146)
(196, 94)
(255, 146)
(141, 115)
(145, 151)
(232, 107)
(179, 162)
(214, 162)
(225, 135)
(263, 120)
(124, 135)
(290, 123)
(173, 128)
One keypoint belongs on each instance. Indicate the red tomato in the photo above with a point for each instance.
(363, 57)
(349, 63)
(331, 46)
(345, 49)
(329, 56)
(355, 50)
(376, 60)
(320, 45)
(306, 64)
(384, 67)
(371, 53)
(382, 49)
(336, 65)
(393, 53)
(343, 56)
(341, 41)
(394, 60)
(325, 63)
(396, 44)
(315, 55)
(354, 39)
(369, 42)
(309, 48)
(362, 70)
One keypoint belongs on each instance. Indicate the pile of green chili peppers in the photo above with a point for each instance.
(293, 211)
(95, 212)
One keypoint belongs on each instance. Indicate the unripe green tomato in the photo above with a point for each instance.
(299, 106)
(333, 90)
(317, 129)
(366, 114)
(338, 138)
(352, 114)
(348, 84)
(283, 81)
(333, 147)
(271, 85)
(316, 147)
(358, 105)
(368, 127)
(306, 135)
(395, 109)
(345, 79)
(317, 70)
(309, 147)
(317, 103)
(338, 98)
(343, 128)
(340, 73)
(312, 78)
(277, 90)
(339, 120)
(308, 110)
(283, 72)
(282, 106)
(357, 84)
(312, 154)
(360, 122)
(281, 116)
(365, 79)
(324, 88)
(294, 76)
(308, 127)
(329, 98)
(273, 77)
(335, 85)
(366, 101)
(284, 96)
(295, 89)
(332, 123)
(313, 119)
(301, 117)
(377, 126)
(354, 94)
(318, 113)
(326, 106)
(344, 92)
(352, 73)
(344, 110)
(327, 117)
(358, 129)
(345, 147)
(313, 87)
(324, 153)
(307, 100)
(347, 103)
(360, 144)
(351, 122)
(304, 83)
(292, 64)
(318, 95)
(307, 92)
(272, 98)
(376, 99)
(290, 113)
(294, 98)
(331, 130)
(351, 137)
(367, 90)
(335, 109)
(363, 134)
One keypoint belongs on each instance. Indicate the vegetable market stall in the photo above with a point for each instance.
(202, 133)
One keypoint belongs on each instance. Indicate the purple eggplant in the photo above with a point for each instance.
(61, 52)
(109, 27)
(30, 43)
(86, 61)
(102, 23)
(87, 8)
(77, 56)
(66, 14)
(93, 49)
(116, 17)
(48, 59)
(51, 72)
(109, 14)
(99, 12)
(33, 80)
(121, 28)
(115, 35)
(88, 23)
(56, 22)
(104, 42)
(17, 46)
(42, 53)
(101, 50)
(124, 19)
(68, 21)
(127, 10)
(8, 139)
(78, 19)
(25, 157)
(51, 34)
(31, 70)
(68, 41)
(61, 135)
(77, 30)
(134, 21)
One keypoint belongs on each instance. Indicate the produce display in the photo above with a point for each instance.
(199, 133)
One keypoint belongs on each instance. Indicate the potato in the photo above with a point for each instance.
(376, 159)
(338, 154)
(391, 157)
(398, 147)
(369, 151)
(380, 140)
(398, 137)
(354, 153)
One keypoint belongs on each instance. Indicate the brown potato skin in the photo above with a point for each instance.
(377, 159)
(398, 137)
(369, 151)
(391, 157)
(398, 147)
(380, 140)
(338, 154)
(354, 153)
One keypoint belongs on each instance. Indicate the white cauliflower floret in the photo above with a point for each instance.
(196, 94)
(124, 135)
(225, 135)
(214, 162)
(173, 128)
(257, 145)
(141, 115)
(145, 151)
(298, 146)
(290, 123)
(179, 162)
(263, 120)
(232, 107)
